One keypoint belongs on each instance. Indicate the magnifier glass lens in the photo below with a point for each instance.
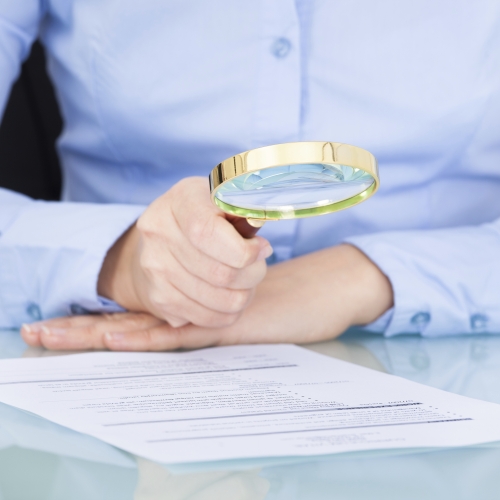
(294, 187)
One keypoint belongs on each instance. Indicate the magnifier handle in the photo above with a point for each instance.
(257, 223)
(244, 226)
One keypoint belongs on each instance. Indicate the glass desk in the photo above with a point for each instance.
(41, 460)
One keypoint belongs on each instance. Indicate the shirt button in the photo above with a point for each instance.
(34, 311)
(478, 322)
(281, 47)
(420, 320)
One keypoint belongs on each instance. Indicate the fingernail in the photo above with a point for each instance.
(33, 328)
(26, 329)
(266, 252)
(114, 337)
(53, 331)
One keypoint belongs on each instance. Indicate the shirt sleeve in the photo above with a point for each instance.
(19, 25)
(445, 281)
(50, 253)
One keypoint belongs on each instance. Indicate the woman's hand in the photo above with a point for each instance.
(185, 261)
(308, 299)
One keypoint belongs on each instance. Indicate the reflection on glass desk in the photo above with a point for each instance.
(41, 460)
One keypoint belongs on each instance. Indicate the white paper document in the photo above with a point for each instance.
(241, 402)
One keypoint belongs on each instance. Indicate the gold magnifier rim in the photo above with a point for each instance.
(293, 153)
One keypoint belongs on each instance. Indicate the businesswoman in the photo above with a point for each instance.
(155, 93)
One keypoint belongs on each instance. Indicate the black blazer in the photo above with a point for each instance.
(30, 126)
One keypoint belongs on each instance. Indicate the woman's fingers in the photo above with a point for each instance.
(120, 332)
(163, 338)
(214, 271)
(84, 332)
(207, 229)
(31, 332)
(213, 298)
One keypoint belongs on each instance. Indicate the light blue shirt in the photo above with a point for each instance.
(157, 90)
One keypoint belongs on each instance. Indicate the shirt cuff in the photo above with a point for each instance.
(103, 305)
(444, 281)
(51, 256)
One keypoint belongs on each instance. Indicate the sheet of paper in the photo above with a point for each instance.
(241, 402)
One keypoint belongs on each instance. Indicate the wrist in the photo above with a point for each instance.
(115, 279)
(372, 290)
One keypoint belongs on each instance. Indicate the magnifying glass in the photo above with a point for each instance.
(293, 180)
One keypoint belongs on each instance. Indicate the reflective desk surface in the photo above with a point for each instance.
(41, 460)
